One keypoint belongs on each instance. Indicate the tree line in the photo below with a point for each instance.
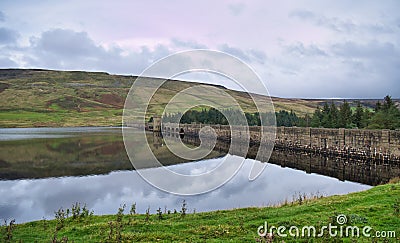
(385, 115)
(214, 116)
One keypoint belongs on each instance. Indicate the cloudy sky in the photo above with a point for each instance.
(299, 48)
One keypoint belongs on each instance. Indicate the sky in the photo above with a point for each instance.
(303, 49)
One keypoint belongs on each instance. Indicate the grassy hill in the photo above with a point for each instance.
(34, 98)
(377, 208)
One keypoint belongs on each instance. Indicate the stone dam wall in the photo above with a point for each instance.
(376, 145)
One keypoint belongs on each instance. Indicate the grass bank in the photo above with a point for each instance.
(377, 208)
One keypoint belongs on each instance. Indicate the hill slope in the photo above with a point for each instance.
(35, 97)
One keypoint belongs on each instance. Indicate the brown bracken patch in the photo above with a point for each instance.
(112, 99)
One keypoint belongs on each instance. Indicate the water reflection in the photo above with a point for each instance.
(28, 200)
(93, 151)
(92, 167)
(55, 152)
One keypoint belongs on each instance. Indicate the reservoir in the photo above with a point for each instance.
(44, 169)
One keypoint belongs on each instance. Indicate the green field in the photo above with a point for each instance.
(378, 208)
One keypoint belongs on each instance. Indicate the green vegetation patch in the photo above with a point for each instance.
(75, 103)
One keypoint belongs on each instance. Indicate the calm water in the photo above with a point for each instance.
(43, 169)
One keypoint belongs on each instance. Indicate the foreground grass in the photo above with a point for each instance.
(377, 207)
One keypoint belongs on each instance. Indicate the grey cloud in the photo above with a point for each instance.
(2, 17)
(379, 28)
(259, 55)
(251, 55)
(133, 63)
(302, 14)
(188, 44)
(67, 43)
(8, 36)
(320, 20)
(338, 24)
(300, 49)
(234, 51)
(372, 67)
(345, 69)
(288, 72)
(370, 50)
(67, 49)
(237, 8)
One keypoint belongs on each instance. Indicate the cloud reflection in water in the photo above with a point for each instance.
(27, 200)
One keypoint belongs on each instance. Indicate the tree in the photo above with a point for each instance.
(366, 118)
(330, 115)
(305, 121)
(316, 118)
(344, 115)
(359, 116)
(326, 120)
(386, 119)
(334, 115)
(387, 116)
(387, 103)
(378, 106)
